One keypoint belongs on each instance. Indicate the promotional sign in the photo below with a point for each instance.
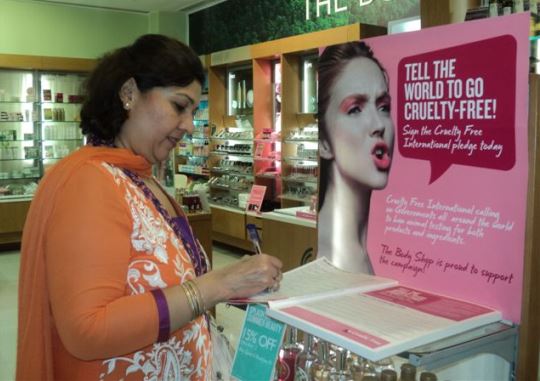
(256, 197)
(452, 217)
(258, 347)
(443, 177)
(289, 18)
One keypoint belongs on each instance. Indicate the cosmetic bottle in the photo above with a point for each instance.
(408, 372)
(493, 9)
(388, 375)
(361, 368)
(287, 355)
(428, 376)
(305, 359)
(507, 7)
(341, 372)
(386, 363)
(322, 365)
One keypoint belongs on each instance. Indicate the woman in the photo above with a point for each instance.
(356, 137)
(113, 285)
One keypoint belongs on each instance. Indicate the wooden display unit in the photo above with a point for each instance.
(228, 225)
(12, 222)
(294, 244)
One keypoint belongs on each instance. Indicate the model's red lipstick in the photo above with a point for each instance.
(381, 156)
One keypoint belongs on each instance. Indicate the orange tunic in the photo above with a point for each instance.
(97, 250)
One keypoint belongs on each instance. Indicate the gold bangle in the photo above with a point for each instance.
(200, 300)
(190, 299)
(194, 298)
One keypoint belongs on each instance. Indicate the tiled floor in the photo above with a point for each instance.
(230, 318)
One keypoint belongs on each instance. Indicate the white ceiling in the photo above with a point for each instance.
(143, 6)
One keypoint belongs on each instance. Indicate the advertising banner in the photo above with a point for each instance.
(449, 217)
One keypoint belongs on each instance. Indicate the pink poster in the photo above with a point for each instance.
(424, 158)
(451, 218)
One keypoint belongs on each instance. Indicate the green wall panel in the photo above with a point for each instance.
(32, 28)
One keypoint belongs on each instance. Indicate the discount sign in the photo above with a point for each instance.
(457, 106)
(258, 347)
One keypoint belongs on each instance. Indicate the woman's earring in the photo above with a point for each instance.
(127, 106)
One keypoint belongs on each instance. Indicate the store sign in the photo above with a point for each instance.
(251, 23)
(330, 7)
(258, 347)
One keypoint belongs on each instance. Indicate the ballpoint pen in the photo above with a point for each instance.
(254, 237)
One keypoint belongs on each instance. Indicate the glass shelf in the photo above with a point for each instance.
(194, 173)
(313, 180)
(17, 102)
(188, 155)
(231, 139)
(19, 159)
(62, 140)
(20, 178)
(497, 338)
(298, 141)
(60, 103)
(232, 153)
(231, 173)
(59, 121)
(297, 158)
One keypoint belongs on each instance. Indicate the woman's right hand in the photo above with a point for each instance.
(249, 276)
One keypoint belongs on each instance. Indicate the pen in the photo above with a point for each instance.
(254, 237)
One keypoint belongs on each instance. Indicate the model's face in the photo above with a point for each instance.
(358, 124)
(158, 119)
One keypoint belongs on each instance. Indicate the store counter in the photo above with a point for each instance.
(290, 238)
(13, 212)
(201, 223)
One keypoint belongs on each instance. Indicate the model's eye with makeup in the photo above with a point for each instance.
(354, 109)
(383, 104)
(384, 107)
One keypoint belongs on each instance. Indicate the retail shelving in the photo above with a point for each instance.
(39, 116)
(34, 131)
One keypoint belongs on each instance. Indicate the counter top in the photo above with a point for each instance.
(288, 215)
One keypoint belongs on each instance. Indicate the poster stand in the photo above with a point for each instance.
(516, 344)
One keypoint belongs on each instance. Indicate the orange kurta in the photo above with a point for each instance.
(93, 247)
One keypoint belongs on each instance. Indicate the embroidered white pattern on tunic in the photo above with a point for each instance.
(151, 236)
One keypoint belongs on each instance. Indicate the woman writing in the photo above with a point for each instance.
(113, 285)
(356, 137)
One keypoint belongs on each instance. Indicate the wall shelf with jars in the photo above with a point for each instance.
(39, 117)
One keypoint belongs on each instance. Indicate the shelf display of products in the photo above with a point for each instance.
(39, 115)
(232, 148)
(315, 359)
(191, 155)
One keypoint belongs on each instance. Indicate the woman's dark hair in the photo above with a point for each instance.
(331, 63)
(152, 61)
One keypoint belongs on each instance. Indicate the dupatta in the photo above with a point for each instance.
(34, 343)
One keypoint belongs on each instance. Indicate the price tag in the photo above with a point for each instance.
(258, 346)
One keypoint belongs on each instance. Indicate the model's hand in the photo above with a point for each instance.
(249, 276)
